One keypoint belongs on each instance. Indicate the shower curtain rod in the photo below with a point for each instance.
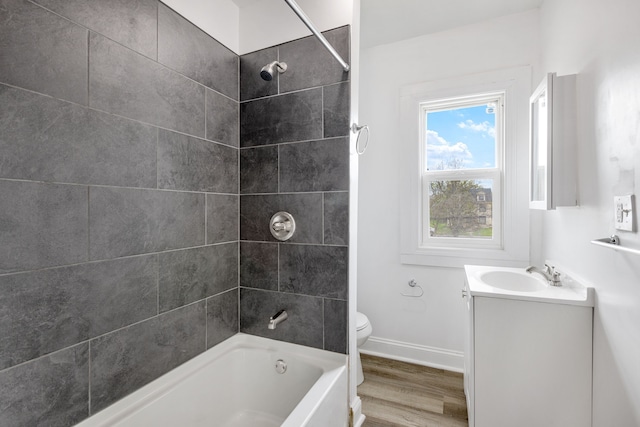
(294, 6)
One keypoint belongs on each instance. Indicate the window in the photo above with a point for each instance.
(461, 141)
(464, 174)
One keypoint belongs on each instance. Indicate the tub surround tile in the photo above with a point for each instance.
(193, 164)
(51, 391)
(310, 64)
(303, 326)
(129, 221)
(257, 210)
(336, 218)
(125, 360)
(336, 314)
(251, 84)
(128, 84)
(337, 109)
(259, 170)
(222, 218)
(45, 225)
(222, 317)
(64, 142)
(222, 119)
(43, 52)
(259, 265)
(193, 274)
(132, 23)
(284, 118)
(314, 270)
(315, 166)
(47, 310)
(185, 48)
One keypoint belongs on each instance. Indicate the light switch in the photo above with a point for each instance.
(623, 206)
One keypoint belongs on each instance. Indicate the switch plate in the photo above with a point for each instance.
(623, 211)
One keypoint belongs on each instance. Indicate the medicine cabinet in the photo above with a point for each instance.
(552, 143)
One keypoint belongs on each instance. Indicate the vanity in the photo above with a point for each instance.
(528, 349)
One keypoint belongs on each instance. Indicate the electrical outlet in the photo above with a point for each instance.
(623, 206)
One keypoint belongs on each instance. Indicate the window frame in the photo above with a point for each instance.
(495, 174)
(515, 83)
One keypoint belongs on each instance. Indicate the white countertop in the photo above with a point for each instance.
(571, 292)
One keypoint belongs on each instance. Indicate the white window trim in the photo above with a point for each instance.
(516, 84)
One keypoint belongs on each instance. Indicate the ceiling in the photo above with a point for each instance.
(388, 21)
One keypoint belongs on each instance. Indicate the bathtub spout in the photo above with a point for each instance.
(279, 317)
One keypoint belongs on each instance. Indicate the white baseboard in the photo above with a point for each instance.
(357, 417)
(433, 357)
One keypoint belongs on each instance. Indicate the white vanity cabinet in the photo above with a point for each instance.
(528, 363)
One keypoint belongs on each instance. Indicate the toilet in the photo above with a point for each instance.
(363, 331)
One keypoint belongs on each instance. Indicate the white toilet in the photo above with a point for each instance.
(363, 331)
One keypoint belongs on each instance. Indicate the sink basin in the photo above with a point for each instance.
(513, 281)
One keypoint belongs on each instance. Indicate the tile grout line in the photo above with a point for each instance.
(89, 388)
(323, 229)
(88, 224)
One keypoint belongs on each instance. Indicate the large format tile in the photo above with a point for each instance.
(185, 48)
(303, 326)
(125, 360)
(222, 218)
(335, 325)
(47, 310)
(315, 165)
(43, 139)
(314, 270)
(133, 23)
(50, 391)
(259, 265)
(337, 109)
(193, 164)
(130, 221)
(128, 84)
(256, 212)
(284, 118)
(223, 116)
(251, 84)
(42, 225)
(222, 317)
(336, 218)
(310, 64)
(194, 274)
(259, 170)
(43, 52)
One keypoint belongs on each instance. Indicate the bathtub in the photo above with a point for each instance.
(235, 384)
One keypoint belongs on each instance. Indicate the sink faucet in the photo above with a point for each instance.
(549, 273)
(279, 317)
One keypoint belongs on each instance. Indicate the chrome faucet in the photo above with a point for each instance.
(279, 317)
(549, 273)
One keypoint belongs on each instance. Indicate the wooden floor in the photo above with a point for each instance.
(402, 394)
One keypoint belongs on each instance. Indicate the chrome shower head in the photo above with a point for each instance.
(268, 71)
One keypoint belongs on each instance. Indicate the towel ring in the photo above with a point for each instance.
(414, 285)
(358, 129)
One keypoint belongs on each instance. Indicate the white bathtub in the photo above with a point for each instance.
(236, 384)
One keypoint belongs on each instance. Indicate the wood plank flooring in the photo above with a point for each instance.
(406, 395)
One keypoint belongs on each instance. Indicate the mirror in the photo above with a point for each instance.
(540, 140)
(552, 141)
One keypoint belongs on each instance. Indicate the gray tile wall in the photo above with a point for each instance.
(119, 210)
(294, 156)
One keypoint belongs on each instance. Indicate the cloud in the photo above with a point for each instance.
(478, 127)
(440, 151)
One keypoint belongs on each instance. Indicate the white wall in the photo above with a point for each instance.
(599, 40)
(427, 329)
(218, 18)
(270, 22)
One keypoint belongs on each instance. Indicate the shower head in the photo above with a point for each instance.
(268, 71)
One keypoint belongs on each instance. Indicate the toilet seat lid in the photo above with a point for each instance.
(362, 321)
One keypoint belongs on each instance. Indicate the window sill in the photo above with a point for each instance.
(460, 258)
